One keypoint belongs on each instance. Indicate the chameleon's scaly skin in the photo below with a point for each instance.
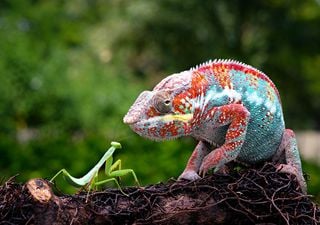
(233, 109)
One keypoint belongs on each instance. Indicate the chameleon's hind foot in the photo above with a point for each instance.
(285, 168)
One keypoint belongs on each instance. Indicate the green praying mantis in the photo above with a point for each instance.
(112, 170)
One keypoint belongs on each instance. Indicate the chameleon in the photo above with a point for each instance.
(234, 111)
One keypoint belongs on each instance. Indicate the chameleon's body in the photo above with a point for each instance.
(233, 109)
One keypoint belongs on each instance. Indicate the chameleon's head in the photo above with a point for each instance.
(165, 112)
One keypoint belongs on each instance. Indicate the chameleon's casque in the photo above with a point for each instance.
(233, 109)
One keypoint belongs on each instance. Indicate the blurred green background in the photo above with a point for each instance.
(69, 71)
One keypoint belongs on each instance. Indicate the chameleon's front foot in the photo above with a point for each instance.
(214, 160)
(189, 175)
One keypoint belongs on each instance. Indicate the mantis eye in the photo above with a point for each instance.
(162, 102)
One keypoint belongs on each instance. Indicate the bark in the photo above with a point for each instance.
(251, 196)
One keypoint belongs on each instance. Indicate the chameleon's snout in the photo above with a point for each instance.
(137, 110)
(129, 119)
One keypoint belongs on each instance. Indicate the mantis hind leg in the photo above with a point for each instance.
(111, 171)
(121, 172)
(109, 180)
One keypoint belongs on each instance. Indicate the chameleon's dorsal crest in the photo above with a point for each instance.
(224, 61)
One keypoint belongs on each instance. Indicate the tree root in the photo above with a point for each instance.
(251, 196)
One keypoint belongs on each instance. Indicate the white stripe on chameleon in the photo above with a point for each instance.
(232, 94)
(273, 109)
(268, 104)
(198, 102)
(253, 98)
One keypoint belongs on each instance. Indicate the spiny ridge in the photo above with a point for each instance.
(226, 61)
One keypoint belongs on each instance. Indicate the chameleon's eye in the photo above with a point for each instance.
(162, 102)
(167, 102)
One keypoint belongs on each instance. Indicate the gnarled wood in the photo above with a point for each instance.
(252, 196)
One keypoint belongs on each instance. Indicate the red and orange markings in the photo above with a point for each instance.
(199, 83)
(138, 129)
(152, 112)
(153, 131)
(222, 75)
(168, 127)
(232, 134)
(181, 103)
(187, 128)
(253, 81)
(177, 107)
(233, 145)
(270, 94)
(218, 156)
(195, 122)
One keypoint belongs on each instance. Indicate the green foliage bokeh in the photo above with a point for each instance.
(69, 71)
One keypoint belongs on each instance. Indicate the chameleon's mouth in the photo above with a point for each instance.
(163, 127)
